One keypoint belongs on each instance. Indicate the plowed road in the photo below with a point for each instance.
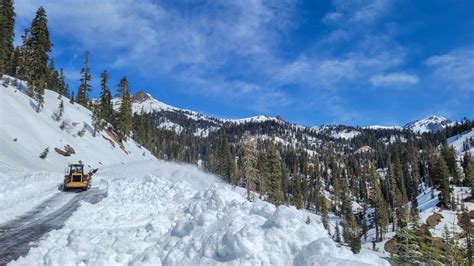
(19, 235)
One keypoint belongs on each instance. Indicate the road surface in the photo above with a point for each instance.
(20, 234)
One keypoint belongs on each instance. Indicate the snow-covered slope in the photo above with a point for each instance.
(429, 124)
(25, 134)
(463, 142)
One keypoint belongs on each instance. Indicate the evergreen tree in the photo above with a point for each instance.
(105, 111)
(15, 62)
(380, 206)
(452, 252)
(225, 162)
(72, 99)
(125, 116)
(7, 34)
(408, 252)
(249, 165)
(274, 174)
(468, 166)
(355, 241)
(449, 155)
(337, 233)
(64, 90)
(297, 193)
(467, 226)
(53, 82)
(84, 83)
(440, 176)
(324, 214)
(36, 47)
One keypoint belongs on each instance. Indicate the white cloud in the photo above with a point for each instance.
(357, 11)
(454, 69)
(198, 44)
(395, 79)
(367, 57)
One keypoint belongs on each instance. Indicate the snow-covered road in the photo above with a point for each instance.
(24, 232)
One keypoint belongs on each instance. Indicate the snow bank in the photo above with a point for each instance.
(150, 220)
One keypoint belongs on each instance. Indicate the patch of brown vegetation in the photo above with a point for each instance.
(67, 151)
(391, 246)
(116, 139)
(459, 216)
(433, 220)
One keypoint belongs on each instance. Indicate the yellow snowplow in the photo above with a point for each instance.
(75, 178)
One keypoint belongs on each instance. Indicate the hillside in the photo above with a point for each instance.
(26, 134)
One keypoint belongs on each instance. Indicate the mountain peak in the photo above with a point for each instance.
(140, 96)
(432, 123)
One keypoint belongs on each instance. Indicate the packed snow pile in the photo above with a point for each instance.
(159, 219)
(27, 134)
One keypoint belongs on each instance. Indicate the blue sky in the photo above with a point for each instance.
(312, 62)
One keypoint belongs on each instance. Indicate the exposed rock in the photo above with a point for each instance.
(140, 97)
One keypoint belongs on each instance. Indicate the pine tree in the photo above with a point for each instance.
(125, 116)
(36, 47)
(15, 62)
(249, 165)
(72, 99)
(440, 176)
(274, 174)
(53, 82)
(84, 83)
(297, 193)
(64, 90)
(355, 241)
(106, 111)
(449, 155)
(337, 233)
(324, 214)
(452, 252)
(7, 35)
(408, 252)
(467, 233)
(225, 162)
(468, 166)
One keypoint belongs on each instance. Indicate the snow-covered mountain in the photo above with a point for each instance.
(153, 213)
(145, 103)
(377, 127)
(429, 124)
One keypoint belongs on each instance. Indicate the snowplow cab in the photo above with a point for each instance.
(75, 178)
